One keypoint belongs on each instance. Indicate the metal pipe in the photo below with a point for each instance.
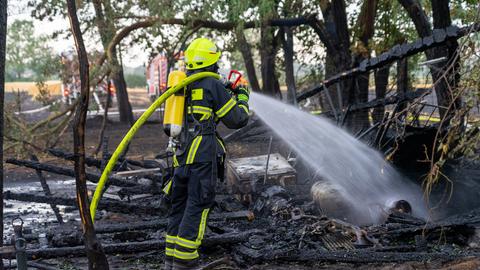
(20, 245)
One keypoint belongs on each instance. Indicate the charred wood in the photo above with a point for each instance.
(457, 232)
(105, 204)
(103, 228)
(394, 54)
(381, 83)
(134, 247)
(403, 218)
(137, 190)
(68, 172)
(46, 190)
(380, 102)
(41, 266)
(358, 256)
(90, 161)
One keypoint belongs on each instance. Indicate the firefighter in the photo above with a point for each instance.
(199, 160)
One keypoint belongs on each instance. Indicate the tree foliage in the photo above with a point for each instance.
(29, 57)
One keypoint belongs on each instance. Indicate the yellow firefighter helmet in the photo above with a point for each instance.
(201, 53)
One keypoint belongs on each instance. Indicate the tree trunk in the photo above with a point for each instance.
(335, 36)
(107, 31)
(365, 24)
(334, 65)
(446, 88)
(246, 52)
(94, 250)
(3, 41)
(268, 53)
(289, 70)
(381, 83)
(446, 82)
(123, 102)
(359, 119)
(101, 136)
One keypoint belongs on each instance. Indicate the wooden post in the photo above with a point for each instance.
(287, 42)
(402, 80)
(381, 84)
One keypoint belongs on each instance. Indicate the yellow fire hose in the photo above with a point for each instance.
(133, 130)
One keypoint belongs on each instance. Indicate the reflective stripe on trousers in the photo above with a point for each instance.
(193, 149)
(185, 249)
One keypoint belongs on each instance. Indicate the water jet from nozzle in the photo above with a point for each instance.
(352, 174)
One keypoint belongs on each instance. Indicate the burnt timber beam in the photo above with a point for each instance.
(46, 190)
(359, 256)
(105, 204)
(93, 162)
(135, 247)
(155, 224)
(393, 99)
(438, 38)
(92, 177)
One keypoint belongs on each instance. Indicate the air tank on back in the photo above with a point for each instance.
(174, 107)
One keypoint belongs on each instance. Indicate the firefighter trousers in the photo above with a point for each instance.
(191, 197)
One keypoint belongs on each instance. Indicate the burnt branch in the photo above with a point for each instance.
(94, 250)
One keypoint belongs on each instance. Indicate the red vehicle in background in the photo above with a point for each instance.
(157, 73)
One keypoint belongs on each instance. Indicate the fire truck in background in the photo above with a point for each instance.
(157, 73)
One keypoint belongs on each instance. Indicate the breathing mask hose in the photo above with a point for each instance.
(133, 130)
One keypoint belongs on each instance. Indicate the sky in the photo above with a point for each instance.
(18, 10)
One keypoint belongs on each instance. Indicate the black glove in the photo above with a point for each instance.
(243, 93)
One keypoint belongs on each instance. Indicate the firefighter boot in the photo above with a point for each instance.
(179, 264)
(168, 263)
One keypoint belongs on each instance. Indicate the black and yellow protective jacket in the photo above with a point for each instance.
(207, 103)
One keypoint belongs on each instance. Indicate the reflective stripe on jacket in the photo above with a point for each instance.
(209, 103)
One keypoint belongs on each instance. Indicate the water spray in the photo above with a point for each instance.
(350, 173)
